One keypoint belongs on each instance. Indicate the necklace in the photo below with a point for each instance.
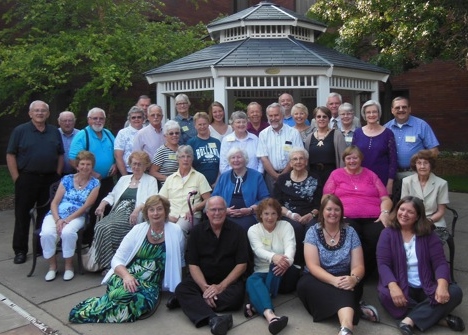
(134, 182)
(81, 184)
(350, 175)
(157, 236)
(332, 238)
(320, 140)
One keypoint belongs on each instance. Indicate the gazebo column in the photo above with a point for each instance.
(323, 90)
(161, 100)
(221, 95)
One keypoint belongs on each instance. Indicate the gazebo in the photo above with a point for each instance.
(263, 51)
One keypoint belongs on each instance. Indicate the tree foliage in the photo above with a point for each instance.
(397, 35)
(88, 51)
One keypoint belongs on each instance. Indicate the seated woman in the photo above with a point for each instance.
(334, 267)
(127, 200)
(414, 280)
(273, 263)
(425, 185)
(75, 195)
(242, 188)
(149, 259)
(299, 193)
(365, 200)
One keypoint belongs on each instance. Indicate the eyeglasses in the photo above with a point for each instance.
(39, 111)
(137, 164)
(174, 133)
(156, 116)
(217, 210)
(136, 117)
(346, 114)
(321, 117)
(67, 121)
(297, 159)
(181, 103)
(98, 118)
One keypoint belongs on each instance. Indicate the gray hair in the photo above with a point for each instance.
(170, 125)
(297, 150)
(371, 103)
(95, 110)
(135, 109)
(334, 94)
(275, 105)
(31, 106)
(182, 98)
(236, 150)
(184, 149)
(238, 115)
(346, 107)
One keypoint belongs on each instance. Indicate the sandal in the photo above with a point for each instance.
(249, 311)
(345, 331)
(277, 324)
(455, 323)
(373, 316)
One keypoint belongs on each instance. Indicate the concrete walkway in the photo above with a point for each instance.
(31, 306)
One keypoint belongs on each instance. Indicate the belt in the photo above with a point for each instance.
(405, 170)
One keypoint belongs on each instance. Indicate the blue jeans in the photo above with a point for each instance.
(261, 288)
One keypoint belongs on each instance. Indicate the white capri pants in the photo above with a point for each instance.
(49, 236)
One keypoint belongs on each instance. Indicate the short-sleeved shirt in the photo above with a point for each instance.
(206, 157)
(276, 145)
(334, 259)
(124, 141)
(36, 151)
(187, 128)
(215, 256)
(102, 148)
(74, 198)
(166, 159)
(410, 138)
(149, 140)
(67, 139)
(249, 144)
(176, 189)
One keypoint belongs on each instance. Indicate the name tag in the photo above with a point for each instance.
(185, 128)
(287, 146)
(212, 145)
(410, 139)
(266, 241)
(348, 139)
(172, 157)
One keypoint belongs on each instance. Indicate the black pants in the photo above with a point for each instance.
(30, 190)
(191, 300)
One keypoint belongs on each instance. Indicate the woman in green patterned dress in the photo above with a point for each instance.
(149, 259)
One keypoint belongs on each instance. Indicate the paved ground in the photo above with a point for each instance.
(31, 306)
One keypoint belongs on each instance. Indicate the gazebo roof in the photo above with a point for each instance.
(257, 52)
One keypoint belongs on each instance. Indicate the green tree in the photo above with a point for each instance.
(397, 35)
(85, 51)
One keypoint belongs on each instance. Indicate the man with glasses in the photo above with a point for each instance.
(123, 145)
(66, 121)
(217, 258)
(150, 138)
(35, 161)
(100, 141)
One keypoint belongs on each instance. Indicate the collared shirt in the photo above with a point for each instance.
(176, 189)
(36, 151)
(348, 135)
(187, 128)
(124, 142)
(290, 121)
(217, 256)
(251, 129)
(148, 139)
(249, 144)
(277, 145)
(102, 148)
(67, 139)
(356, 122)
(411, 137)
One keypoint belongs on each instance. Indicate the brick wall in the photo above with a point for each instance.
(439, 95)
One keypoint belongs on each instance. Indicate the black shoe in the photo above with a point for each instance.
(220, 324)
(20, 258)
(277, 324)
(405, 329)
(172, 302)
(455, 323)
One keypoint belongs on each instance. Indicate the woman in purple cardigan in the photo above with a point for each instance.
(414, 281)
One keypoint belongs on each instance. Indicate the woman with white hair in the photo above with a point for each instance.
(164, 162)
(242, 188)
(184, 119)
(377, 144)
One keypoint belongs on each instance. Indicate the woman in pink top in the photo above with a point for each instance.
(365, 200)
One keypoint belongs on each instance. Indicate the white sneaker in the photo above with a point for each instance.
(50, 275)
(68, 275)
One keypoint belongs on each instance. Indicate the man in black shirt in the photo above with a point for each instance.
(217, 258)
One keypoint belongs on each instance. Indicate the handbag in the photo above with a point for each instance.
(89, 260)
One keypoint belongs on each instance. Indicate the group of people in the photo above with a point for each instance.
(283, 195)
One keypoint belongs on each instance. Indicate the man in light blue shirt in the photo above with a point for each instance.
(66, 121)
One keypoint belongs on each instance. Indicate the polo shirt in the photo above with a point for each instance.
(102, 148)
(217, 256)
(290, 121)
(251, 129)
(36, 151)
(410, 138)
(277, 145)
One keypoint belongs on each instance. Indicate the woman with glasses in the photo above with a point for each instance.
(184, 119)
(325, 146)
(346, 113)
(127, 200)
(164, 162)
(123, 145)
